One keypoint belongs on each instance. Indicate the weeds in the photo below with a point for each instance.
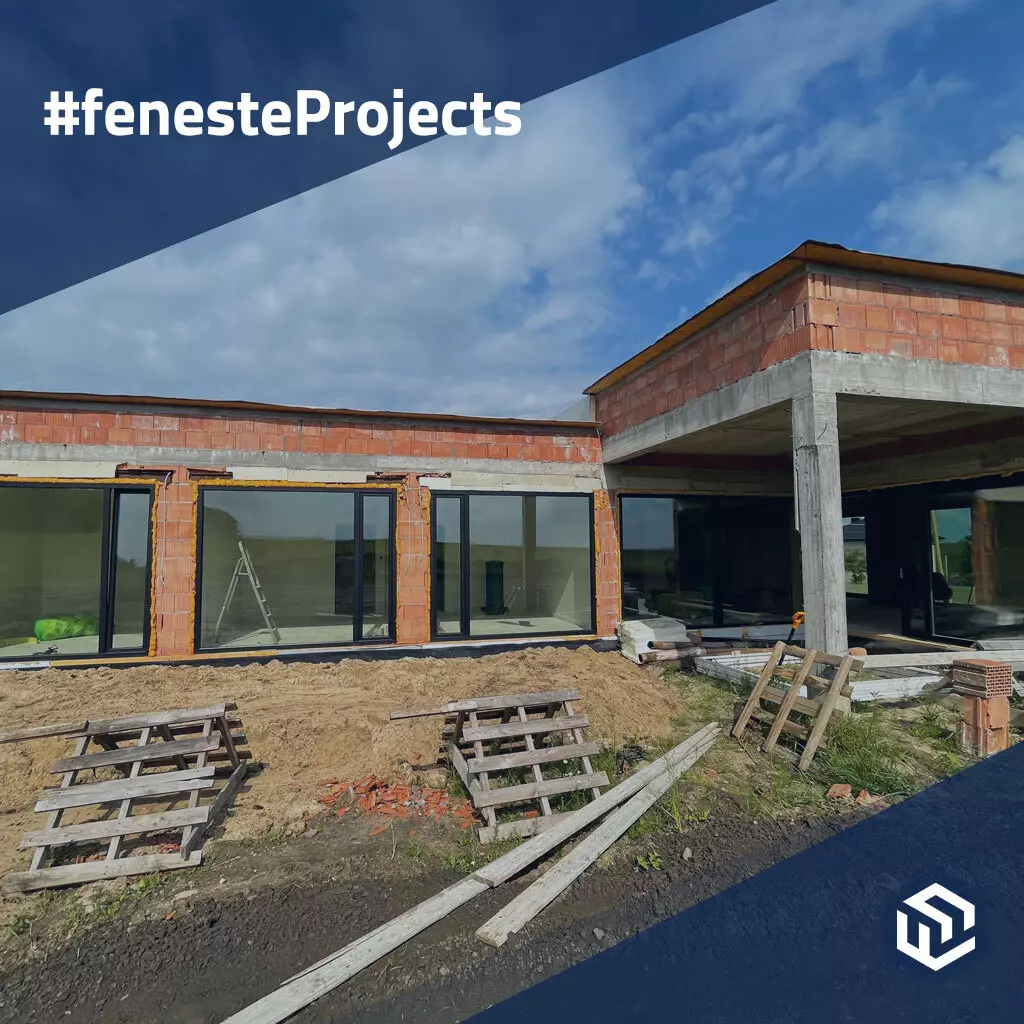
(650, 861)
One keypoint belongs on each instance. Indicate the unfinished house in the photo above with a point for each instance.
(843, 433)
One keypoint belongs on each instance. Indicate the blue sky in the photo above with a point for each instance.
(502, 276)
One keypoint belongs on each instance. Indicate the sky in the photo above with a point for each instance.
(501, 276)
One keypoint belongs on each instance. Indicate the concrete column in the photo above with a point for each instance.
(818, 490)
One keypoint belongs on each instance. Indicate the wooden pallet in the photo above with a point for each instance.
(780, 686)
(164, 757)
(489, 738)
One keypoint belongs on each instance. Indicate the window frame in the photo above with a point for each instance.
(108, 567)
(359, 493)
(465, 542)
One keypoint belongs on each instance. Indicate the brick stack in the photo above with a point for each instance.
(986, 686)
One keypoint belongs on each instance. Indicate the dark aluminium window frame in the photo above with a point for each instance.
(357, 531)
(464, 566)
(108, 564)
(717, 552)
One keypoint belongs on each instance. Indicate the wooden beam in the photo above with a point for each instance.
(107, 792)
(94, 870)
(154, 719)
(522, 828)
(129, 755)
(499, 703)
(525, 758)
(214, 809)
(43, 731)
(529, 903)
(486, 733)
(91, 831)
(536, 790)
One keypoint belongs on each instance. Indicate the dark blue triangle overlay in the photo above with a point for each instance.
(75, 206)
(813, 939)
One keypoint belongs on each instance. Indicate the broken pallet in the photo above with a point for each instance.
(163, 757)
(781, 688)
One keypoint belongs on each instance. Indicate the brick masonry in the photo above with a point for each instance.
(822, 311)
(176, 488)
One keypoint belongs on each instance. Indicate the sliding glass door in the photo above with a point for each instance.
(512, 565)
(294, 567)
(74, 570)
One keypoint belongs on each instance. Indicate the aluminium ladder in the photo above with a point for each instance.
(244, 567)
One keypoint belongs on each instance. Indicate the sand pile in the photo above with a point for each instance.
(309, 722)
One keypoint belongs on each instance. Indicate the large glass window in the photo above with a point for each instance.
(74, 570)
(512, 564)
(295, 567)
(707, 561)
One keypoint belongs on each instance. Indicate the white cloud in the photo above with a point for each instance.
(468, 275)
(976, 216)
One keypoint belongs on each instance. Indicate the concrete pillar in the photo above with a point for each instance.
(819, 512)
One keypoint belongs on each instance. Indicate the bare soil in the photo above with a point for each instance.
(260, 912)
(306, 722)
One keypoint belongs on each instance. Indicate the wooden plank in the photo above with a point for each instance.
(217, 805)
(188, 833)
(126, 805)
(338, 967)
(802, 704)
(523, 828)
(529, 903)
(486, 733)
(535, 790)
(525, 758)
(42, 731)
(461, 766)
(827, 707)
(577, 736)
(94, 870)
(538, 776)
(499, 703)
(786, 705)
(129, 755)
(123, 789)
(229, 742)
(166, 734)
(177, 716)
(755, 695)
(790, 728)
(53, 819)
(518, 860)
(483, 781)
(91, 831)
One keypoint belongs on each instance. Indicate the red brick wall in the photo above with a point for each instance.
(608, 575)
(770, 329)
(413, 570)
(280, 434)
(174, 566)
(852, 315)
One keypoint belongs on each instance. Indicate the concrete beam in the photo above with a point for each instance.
(927, 380)
(820, 519)
(768, 387)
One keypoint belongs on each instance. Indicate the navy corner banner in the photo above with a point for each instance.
(913, 916)
(76, 205)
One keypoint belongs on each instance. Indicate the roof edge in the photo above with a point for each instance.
(811, 252)
(311, 412)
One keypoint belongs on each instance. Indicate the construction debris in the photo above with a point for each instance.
(200, 746)
(636, 636)
(782, 687)
(393, 800)
(333, 970)
(499, 739)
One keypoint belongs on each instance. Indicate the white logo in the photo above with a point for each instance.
(922, 951)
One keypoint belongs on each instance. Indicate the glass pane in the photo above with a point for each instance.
(997, 562)
(376, 565)
(667, 559)
(278, 567)
(529, 564)
(952, 578)
(447, 566)
(855, 554)
(50, 554)
(131, 581)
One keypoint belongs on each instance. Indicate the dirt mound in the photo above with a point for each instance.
(307, 722)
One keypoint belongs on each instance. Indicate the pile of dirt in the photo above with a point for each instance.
(308, 722)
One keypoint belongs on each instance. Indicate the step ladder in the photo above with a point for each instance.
(244, 567)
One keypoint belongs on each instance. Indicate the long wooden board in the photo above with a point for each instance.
(525, 758)
(90, 831)
(336, 968)
(149, 785)
(128, 755)
(529, 903)
(500, 703)
(192, 839)
(92, 871)
(508, 730)
(42, 731)
(177, 716)
(535, 790)
(522, 828)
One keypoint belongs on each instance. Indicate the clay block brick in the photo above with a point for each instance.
(355, 445)
(197, 439)
(949, 352)
(379, 446)
(1000, 333)
(896, 296)
(997, 312)
(904, 321)
(998, 355)
(878, 318)
(928, 326)
(901, 346)
(442, 449)
(974, 352)
(954, 328)
(979, 330)
(851, 315)
(972, 309)
(1017, 358)
(924, 302)
(926, 348)
(166, 422)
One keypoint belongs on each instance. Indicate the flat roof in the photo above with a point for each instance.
(827, 253)
(306, 411)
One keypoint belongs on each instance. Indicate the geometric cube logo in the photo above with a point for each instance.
(952, 925)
